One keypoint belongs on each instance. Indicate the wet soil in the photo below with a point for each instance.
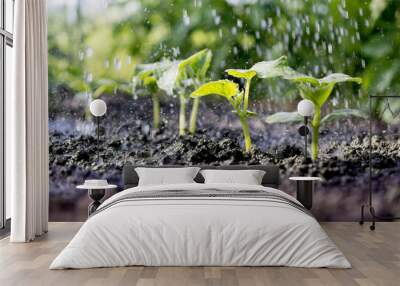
(126, 136)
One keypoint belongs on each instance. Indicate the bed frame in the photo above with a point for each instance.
(270, 179)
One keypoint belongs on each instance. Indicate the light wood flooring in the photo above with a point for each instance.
(375, 257)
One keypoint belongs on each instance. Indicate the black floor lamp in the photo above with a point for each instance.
(369, 204)
(98, 108)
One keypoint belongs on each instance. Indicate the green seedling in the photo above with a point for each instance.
(318, 91)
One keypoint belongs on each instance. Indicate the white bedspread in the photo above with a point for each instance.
(200, 231)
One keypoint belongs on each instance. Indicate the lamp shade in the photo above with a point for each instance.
(98, 107)
(305, 108)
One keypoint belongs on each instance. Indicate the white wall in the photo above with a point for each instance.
(8, 94)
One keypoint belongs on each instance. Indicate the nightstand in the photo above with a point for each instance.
(96, 191)
(305, 189)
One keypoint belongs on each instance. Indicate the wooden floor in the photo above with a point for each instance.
(375, 257)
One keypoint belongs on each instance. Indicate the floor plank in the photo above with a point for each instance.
(375, 257)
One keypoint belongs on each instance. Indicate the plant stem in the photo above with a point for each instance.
(246, 95)
(315, 126)
(182, 114)
(246, 133)
(193, 115)
(156, 111)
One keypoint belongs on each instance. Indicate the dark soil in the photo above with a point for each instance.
(126, 136)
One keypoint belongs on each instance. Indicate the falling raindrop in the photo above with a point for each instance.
(217, 20)
(235, 50)
(263, 24)
(286, 39)
(317, 27)
(278, 12)
(89, 52)
(186, 18)
(88, 96)
(89, 77)
(117, 63)
(330, 48)
(81, 55)
(234, 30)
(197, 3)
(363, 63)
(176, 52)
(258, 51)
(106, 64)
(128, 60)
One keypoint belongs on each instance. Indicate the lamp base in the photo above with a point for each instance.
(372, 213)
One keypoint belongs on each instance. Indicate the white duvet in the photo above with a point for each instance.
(200, 231)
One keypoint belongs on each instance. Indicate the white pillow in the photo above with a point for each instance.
(165, 176)
(247, 177)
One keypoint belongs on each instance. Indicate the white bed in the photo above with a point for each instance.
(202, 231)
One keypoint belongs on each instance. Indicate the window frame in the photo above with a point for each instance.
(6, 39)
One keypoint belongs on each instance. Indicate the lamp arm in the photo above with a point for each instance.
(305, 137)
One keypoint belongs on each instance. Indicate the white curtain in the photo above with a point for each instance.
(26, 127)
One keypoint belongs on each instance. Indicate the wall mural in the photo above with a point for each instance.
(218, 82)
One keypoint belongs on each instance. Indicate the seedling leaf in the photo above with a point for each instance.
(342, 113)
(225, 88)
(268, 69)
(240, 73)
(284, 117)
(339, 77)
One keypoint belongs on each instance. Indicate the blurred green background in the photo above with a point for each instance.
(95, 43)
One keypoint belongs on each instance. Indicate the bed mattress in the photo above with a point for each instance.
(201, 225)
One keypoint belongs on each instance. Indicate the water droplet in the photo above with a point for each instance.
(217, 20)
(117, 63)
(235, 50)
(81, 55)
(330, 48)
(234, 30)
(186, 18)
(89, 77)
(263, 24)
(176, 52)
